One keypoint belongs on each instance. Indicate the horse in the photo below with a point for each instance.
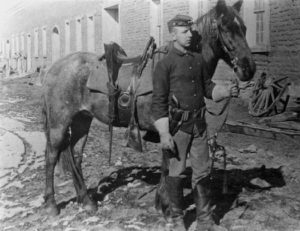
(69, 106)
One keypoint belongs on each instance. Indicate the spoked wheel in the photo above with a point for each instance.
(268, 96)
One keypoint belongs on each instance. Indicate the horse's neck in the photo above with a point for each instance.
(210, 58)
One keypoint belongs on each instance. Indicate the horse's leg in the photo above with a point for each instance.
(79, 129)
(55, 138)
(51, 159)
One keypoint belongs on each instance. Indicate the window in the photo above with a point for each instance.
(2, 49)
(23, 43)
(55, 44)
(78, 35)
(44, 42)
(28, 53)
(90, 33)
(36, 43)
(256, 16)
(113, 11)
(17, 44)
(7, 49)
(13, 50)
(259, 11)
(259, 5)
(67, 37)
(259, 28)
(262, 19)
(111, 30)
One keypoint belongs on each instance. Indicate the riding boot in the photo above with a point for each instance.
(203, 206)
(172, 198)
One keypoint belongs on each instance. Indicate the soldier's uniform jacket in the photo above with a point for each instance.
(182, 75)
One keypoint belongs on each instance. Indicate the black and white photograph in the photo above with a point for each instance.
(150, 115)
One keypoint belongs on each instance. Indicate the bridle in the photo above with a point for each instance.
(216, 33)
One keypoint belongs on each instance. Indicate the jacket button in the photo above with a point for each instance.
(195, 94)
(190, 68)
(193, 81)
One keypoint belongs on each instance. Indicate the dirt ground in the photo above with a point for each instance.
(263, 177)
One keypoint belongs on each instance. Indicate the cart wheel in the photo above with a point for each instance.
(268, 96)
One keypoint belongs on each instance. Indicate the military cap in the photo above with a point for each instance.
(180, 20)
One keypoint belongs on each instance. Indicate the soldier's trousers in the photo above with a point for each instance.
(197, 148)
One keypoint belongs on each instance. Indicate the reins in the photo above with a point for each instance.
(213, 145)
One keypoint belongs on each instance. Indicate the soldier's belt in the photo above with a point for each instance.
(179, 116)
(185, 115)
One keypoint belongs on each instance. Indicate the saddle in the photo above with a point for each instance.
(121, 70)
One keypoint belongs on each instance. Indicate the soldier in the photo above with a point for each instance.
(179, 87)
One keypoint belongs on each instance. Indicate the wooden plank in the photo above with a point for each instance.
(285, 116)
(289, 125)
(259, 130)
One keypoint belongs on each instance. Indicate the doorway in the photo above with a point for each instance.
(111, 24)
(55, 44)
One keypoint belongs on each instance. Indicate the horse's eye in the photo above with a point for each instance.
(227, 20)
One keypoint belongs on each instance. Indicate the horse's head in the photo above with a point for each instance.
(225, 31)
(231, 35)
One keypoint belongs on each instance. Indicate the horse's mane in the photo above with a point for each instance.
(204, 24)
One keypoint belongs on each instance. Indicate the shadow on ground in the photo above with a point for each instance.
(121, 177)
(237, 180)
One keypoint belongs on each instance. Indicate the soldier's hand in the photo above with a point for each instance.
(167, 142)
(233, 89)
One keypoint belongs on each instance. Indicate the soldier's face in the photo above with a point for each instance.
(182, 35)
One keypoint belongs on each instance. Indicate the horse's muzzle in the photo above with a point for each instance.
(245, 69)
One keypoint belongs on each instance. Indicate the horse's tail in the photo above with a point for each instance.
(67, 161)
(67, 158)
(45, 119)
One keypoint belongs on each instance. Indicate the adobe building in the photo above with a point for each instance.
(45, 31)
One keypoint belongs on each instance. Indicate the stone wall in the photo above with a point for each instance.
(284, 57)
(135, 25)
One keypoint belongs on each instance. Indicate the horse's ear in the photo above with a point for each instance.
(237, 6)
(221, 8)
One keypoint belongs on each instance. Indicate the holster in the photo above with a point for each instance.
(177, 117)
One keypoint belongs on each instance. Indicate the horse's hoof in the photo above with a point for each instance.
(52, 210)
(90, 205)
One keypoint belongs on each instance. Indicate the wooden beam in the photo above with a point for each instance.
(258, 130)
